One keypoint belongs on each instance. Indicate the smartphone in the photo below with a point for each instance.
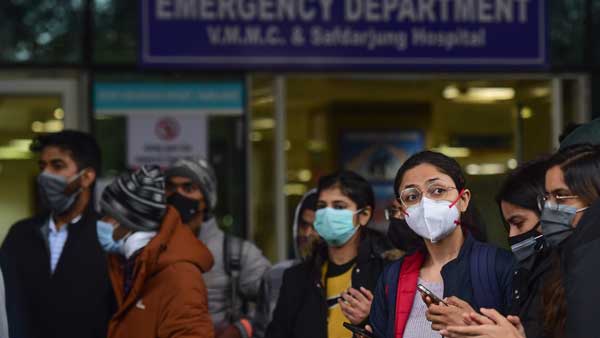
(358, 330)
(425, 291)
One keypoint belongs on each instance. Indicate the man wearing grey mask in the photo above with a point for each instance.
(57, 271)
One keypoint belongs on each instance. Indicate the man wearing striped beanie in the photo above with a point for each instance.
(155, 262)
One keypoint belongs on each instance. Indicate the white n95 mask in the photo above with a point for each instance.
(433, 220)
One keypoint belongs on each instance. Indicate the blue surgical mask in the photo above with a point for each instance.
(105, 237)
(336, 226)
(556, 221)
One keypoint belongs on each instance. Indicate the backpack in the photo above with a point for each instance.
(232, 261)
(483, 276)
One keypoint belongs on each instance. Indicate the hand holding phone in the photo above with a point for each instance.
(426, 292)
(357, 330)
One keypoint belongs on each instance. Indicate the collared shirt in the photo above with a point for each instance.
(57, 240)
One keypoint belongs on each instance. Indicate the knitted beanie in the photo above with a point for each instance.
(202, 174)
(137, 199)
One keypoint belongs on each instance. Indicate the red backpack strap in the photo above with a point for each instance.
(407, 287)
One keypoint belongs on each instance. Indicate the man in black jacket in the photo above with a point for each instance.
(57, 268)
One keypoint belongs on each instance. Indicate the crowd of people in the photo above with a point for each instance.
(152, 260)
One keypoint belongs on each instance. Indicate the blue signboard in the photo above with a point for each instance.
(343, 34)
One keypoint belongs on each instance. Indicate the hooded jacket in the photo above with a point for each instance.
(168, 297)
(581, 276)
(272, 279)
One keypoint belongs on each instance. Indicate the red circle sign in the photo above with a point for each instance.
(167, 129)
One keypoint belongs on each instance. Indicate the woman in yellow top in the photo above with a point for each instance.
(335, 284)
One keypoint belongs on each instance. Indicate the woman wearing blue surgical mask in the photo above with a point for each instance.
(335, 284)
(464, 273)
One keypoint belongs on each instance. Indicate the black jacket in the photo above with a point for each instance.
(301, 309)
(528, 286)
(74, 302)
(581, 275)
(457, 282)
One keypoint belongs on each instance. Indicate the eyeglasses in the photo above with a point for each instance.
(434, 191)
(554, 199)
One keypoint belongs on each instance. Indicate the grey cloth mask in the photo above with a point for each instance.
(52, 190)
(556, 222)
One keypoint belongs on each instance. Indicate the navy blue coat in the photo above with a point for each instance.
(457, 282)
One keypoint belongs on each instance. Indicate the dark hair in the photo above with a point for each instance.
(356, 188)
(469, 219)
(82, 147)
(580, 165)
(309, 202)
(524, 184)
(443, 163)
(352, 185)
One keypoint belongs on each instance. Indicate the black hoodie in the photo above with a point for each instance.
(581, 275)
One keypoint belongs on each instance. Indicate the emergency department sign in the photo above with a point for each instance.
(334, 34)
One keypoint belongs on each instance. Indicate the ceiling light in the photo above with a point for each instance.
(491, 93)
(451, 92)
(37, 127)
(485, 169)
(20, 144)
(453, 151)
(295, 189)
(53, 126)
(256, 136)
(59, 113)
(478, 94)
(263, 124)
(526, 113)
(304, 175)
(540, 91)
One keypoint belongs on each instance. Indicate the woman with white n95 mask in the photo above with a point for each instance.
(335, 283)
(464, 273)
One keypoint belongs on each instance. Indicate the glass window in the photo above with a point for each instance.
(567, 32)
(46, 32)
(115, 31)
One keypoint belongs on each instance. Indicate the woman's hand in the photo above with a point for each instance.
(356, 305)
(491, 325)
(442, 315)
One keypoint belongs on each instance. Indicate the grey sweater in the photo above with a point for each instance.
(3, 320)
(253, 264)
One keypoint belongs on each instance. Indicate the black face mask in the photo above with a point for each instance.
(526, 245)
(187, 207)
(403, 237)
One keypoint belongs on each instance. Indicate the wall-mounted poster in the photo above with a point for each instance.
(377, 156)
